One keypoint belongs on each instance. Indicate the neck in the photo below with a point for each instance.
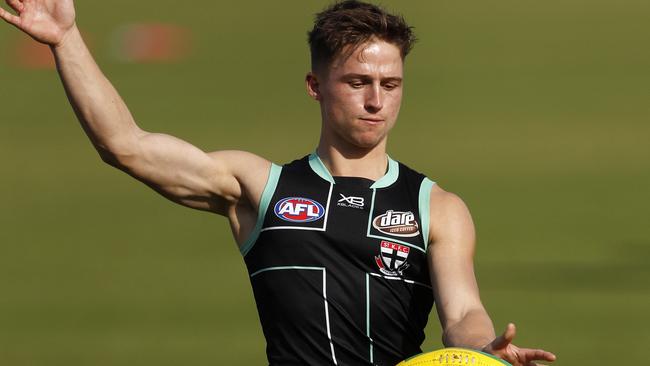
(365, 163)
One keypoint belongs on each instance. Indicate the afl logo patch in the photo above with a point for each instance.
(298, 209)
(397, 223)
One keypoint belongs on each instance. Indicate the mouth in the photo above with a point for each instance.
(372, 120)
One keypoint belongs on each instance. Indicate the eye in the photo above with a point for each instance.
(390, 86)
(356, 84)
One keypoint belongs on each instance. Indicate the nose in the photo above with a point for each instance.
(374, 99)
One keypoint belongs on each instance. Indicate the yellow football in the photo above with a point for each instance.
(453, 357)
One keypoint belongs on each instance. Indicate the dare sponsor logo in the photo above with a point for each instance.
(397, 223)
(298, 209)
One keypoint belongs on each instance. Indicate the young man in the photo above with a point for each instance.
(346, 248)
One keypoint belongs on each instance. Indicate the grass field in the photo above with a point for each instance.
(536, 113)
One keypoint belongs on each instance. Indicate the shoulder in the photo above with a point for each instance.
(241, 164)
(449, 215)
(235, 158)
(442, 200)
(245, 172)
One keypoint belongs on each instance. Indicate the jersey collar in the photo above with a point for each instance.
(389, 178)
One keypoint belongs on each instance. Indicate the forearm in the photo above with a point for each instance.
(101, 111)
(474, 330)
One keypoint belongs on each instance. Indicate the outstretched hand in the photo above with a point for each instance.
(503, 348)
(47, 21)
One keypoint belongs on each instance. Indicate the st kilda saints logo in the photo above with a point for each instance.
(397, 223)
(392, 258)
(298, 209)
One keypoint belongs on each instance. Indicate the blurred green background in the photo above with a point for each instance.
(535, 112)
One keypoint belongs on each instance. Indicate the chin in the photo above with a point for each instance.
(366, 142)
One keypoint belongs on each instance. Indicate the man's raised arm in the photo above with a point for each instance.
(176, 169)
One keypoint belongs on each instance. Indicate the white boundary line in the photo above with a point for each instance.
(394, 278)
(327, 313)
(327, 316)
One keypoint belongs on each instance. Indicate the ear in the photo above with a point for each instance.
(311, 82)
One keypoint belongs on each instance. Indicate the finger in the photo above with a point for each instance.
(17, 5)
(536, 354)
(9, 18)
(506, 338)
(540, 354)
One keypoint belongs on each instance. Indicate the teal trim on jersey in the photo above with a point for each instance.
(372, 211)
(319, 168)
(371, 214)
(424, 207)
(286, 267)
(368, 316)
(390, 177)
(267, 194)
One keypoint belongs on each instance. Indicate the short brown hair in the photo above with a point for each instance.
(353, 23)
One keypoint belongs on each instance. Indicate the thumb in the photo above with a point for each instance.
(505, 339)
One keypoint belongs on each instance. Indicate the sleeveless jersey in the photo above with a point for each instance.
(338, 265)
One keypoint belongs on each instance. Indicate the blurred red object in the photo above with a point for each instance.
(30, 54)
(152, 42)
(139, 43)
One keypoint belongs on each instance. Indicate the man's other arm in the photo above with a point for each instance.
(464, 320)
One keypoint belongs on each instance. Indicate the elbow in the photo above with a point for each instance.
(109, 158)
(117, 158)
(120, 151)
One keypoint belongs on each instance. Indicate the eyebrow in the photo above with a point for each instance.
(367, 77)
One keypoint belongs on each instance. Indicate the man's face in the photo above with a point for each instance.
(360, 95)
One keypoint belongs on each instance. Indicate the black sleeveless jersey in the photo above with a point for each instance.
(338, 265)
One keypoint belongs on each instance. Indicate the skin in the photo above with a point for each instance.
(360, 98)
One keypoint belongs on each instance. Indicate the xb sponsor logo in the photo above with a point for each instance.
(392, 258)
(397, 223)
(298, 209)
(354, 202)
